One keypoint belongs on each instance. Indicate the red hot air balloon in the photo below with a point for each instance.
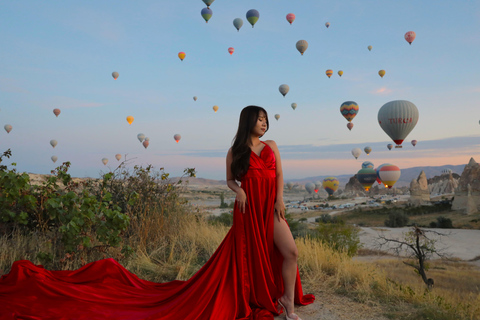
(349, 126)
(290, 17)
(231, 50)
(145, 143)
(410, 36)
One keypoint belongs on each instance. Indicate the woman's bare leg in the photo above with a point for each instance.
(283, 239)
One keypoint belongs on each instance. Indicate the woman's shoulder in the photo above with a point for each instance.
(271, 144)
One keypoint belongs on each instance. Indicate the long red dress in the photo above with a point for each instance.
(242, 279)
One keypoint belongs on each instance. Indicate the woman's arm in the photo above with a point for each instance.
(233, 185)
(279, 205)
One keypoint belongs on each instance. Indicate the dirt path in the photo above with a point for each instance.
(334, 307)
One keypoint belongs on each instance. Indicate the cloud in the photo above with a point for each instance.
(383, 91)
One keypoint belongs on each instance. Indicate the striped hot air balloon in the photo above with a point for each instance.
(349, 110)
(330, 184)
(367, 177)
(389, 174)
(329, 73)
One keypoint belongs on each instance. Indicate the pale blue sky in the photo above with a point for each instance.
(60, 54)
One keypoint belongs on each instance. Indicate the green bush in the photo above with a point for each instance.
(396, 220)
(339, 236)
(225, 219)
(442, 222)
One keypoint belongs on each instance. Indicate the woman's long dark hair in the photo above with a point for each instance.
(241, 142)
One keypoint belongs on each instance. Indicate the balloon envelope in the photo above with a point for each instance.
(414, 143)
(130, 119)
(389, 146)
(389, 174)
(340, 73)
(206, 14)
(277, 116)
(294, 106)
(146, 143)
(182, 55)
(284, 88)
(195, 98)
(370, 48)
(310, 187)
(54, 159)
(208, 2)
(56, 112)
(349, 110)
(367, 177)
(290, 185)
(53, 143)
(398, 118)
(140, 137)
(290, 17)
(381, 73)
(330, 185)
(329, 73)
(8, 128)
(115, 75)
(238, 23)
(356, 152)
(410, 36)
(367, 164)
(350, 126)
(367, 150)
(327, 24)
(302, 45)
(177, 137)
(105, 161)
(231, 50)
(252, 16)
(118, 156)
(215, 108)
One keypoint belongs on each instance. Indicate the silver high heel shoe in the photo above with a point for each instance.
(286, 312)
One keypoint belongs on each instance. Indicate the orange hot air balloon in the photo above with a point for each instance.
(145, 143)
(56, 112)
(215, 108)
(181, 55)
(381, 73)
(329, 73)
(231, 50)
(129, 119)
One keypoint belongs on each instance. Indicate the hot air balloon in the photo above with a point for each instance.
(140, 137)
(381, 73)
(237, 23)
(340, 73)
(290, 17)
(208, 2)
(56, 112)
(329, 73)
(195, 98)
(206, 14)
(330, 185)
(147, 139)
(115, 75)
(318, 185)
(389, 146)
(231, 50)
(302, 45)
(290, 185)
(277, 116)
(53, 143)
(367, 177)
(177, 137)
(349, 110)
(369, 48)
(378, 173)
(389, 174)
(118, 156)
(215, 108)
(398, 118)
(356, 152)
(54, 159)
(367, 164)
(414, 143)
(284, 88)
(446, 171)
(327, 24)
(410, 36)
(130, 119)
(252, 16)
(146, 143)
(8, 128)
(367, 150)
(181, 55)
(310, 187)
(105, 161)
(294, 106)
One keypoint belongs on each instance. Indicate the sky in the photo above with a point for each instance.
(61, 54)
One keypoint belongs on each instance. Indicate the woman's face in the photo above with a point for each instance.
(261, 126)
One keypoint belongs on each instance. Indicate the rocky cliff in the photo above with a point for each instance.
(354, 188)
(443, 184)
(467, 193)
(419, 192)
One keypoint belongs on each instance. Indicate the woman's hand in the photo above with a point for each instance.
(280, 210)
(241, 200)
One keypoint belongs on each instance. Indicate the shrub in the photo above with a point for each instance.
(442, 222)
(339, 236)
(396, 220)
(225, 219)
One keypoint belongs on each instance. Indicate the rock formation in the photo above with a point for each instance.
(419, 192)
(444, 184)
(467, 194)
(353, 187)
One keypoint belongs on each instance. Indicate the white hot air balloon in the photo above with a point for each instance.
(105, 161)
(398, 118)
(54, 159)
(356, 152)
(294, 106)
(53, 143)
(284, 88)
(8, 128)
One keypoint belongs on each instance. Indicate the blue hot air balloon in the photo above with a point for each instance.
(207, 14)
(252, 16)
(238, 23)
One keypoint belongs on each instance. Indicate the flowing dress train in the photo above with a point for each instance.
(242, 280)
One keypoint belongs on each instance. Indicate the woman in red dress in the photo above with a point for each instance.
(249, 276)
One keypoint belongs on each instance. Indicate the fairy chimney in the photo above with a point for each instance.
(467, 194)
(419, 192)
